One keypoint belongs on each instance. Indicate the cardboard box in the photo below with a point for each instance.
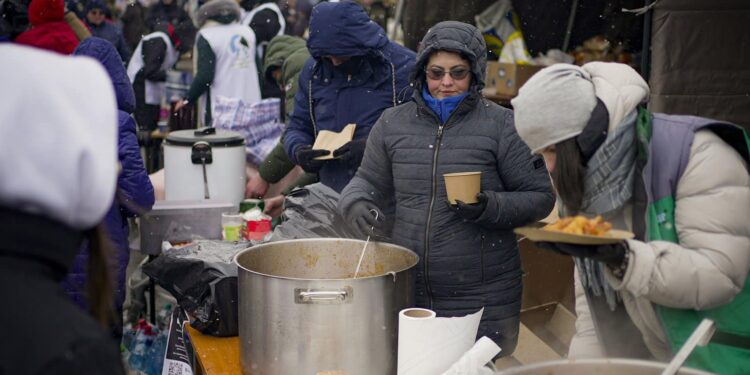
(543, 335)
(508, 78)
(547, 322)
(547, 277)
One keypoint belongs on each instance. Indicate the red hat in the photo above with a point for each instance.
(45, 11)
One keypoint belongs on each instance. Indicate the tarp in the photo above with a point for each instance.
(699, 64)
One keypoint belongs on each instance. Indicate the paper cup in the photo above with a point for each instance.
(462, 186)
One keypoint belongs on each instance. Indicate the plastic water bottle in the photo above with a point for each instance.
(128, 337)
(156, 354)
(138, 355)
(164, 317)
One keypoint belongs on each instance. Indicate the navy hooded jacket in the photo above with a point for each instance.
(340, 97)
(135, 194)
(108, 31)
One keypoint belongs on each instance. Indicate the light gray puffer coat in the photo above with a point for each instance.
(463, 266)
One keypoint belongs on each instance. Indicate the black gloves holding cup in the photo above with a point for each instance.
(470, 211)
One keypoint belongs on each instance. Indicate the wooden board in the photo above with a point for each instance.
(216, 355)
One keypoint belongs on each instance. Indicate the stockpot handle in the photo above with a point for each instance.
(322, 297)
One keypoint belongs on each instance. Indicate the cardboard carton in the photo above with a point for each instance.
(508, 78)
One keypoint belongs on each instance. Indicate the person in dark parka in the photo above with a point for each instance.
(266, 20)
(135, 194)
(105, 29)
(285, 57)
(469, 257)
(156, 53)
(133, 23)
(353, 74)
(164, 12)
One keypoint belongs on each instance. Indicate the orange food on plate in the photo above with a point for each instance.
(581, 225)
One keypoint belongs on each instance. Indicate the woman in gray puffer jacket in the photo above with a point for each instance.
(469, 257)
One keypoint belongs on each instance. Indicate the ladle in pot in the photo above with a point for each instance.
(362, 255)
(700, 337)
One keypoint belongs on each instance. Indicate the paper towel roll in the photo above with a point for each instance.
(428, 345)
(473, 361)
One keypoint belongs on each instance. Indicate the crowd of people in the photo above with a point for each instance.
(578, 135)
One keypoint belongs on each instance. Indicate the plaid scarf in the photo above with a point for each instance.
(608, 186)
(608, 183)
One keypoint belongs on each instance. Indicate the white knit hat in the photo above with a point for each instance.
(58, 136)
(553, 105)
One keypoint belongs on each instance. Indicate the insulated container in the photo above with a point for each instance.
(204, 164)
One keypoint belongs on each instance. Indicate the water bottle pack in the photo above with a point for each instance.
(145, 344)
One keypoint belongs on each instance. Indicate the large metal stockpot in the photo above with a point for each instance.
(612, 366)
(302, 312)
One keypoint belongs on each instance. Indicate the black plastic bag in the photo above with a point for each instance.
(203, 279)
(310, 212)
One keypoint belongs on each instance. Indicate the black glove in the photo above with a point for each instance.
(306, 158)
(352, 152)
(470, 211)
(610, 254)
(365, 218)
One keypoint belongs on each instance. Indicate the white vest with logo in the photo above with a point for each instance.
(272, 6)
(249, 17)
(236, 74)
(155, 90)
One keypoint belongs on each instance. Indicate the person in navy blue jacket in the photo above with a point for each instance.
(353, 74)
(135, 194)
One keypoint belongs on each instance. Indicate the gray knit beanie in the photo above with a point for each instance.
(554, 105)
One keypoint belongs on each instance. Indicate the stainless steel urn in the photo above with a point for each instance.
(302, 312)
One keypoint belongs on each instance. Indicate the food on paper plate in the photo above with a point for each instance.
(581, 225)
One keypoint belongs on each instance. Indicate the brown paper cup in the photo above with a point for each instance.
(462, 186)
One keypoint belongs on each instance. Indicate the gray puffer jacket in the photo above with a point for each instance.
(463, 266)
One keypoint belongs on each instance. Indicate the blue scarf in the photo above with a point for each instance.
(442, 107)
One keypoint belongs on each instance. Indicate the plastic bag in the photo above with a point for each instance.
(258, 123)
(203, 279)
(310, 212)
(501, 29)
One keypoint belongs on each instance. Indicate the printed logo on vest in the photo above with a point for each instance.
(240, 49)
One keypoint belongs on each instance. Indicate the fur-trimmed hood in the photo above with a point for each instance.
(217, 8)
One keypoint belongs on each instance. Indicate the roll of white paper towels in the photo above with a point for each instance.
(473, 361)
(428, 345)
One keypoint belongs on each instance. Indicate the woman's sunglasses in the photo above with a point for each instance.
(438, 74)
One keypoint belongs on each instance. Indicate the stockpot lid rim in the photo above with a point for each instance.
(260, 246)
(226, 138)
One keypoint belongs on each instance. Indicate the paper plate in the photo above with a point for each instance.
(541, 235)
